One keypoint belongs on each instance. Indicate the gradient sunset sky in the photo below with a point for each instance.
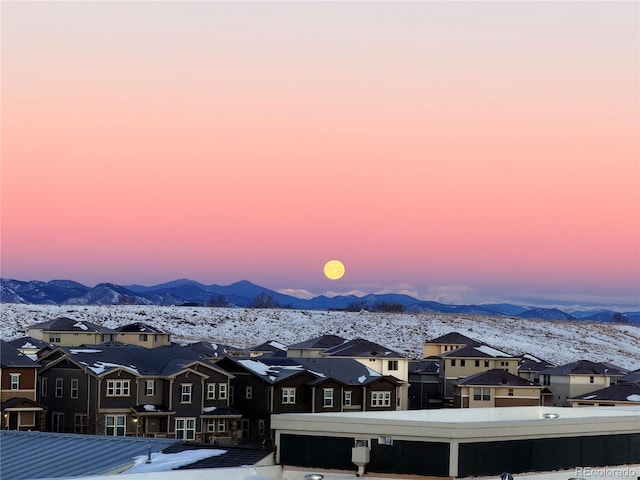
(458, 152)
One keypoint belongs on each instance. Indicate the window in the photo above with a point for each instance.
(186, 428)
(222, 425)
(289, 395)
(117, 388)
(327, 397)
(222, 391)
(486, 363)
(380, 399)
(211, 391)
(482, 394)
(185, 393)
(463, 363)
(453, 363)
(54, 337)
(149, 388)
(59, 385)
(80, 423)
(392, 364)
(347, 398)
(57, 420)
(477, 363)
(14, 381)
(143, 337)
(248, 393)
(231, 394)
(591, 379)
(74, 388)
(546, 380)
(210, 425)
(43, 386)
(261, 426)
(511, 392)
(115, 425)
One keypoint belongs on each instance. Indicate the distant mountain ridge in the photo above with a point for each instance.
(245, 294)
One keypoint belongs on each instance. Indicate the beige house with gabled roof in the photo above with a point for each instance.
(66, 332)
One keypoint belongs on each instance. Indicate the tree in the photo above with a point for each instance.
(218, 301)
(265, 300)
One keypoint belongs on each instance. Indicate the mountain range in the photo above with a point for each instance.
(245, 294)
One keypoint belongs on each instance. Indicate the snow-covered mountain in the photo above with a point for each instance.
(556, 341)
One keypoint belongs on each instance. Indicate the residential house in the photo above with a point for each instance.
(424, 384)
(496, 388)
(18, 379)
(578, 378)
(447, 343)
(619, 395)
(314, 347)
(378, 358)
(215, 351)
(530, 366)
(118, 389)
(31, 346)
(469, 360)
(142, 334)
(66, 332)
(268, 385)
(270, 348)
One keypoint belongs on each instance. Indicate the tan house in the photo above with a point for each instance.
(578, 378)
(379, 359)
(496, 388)
(472, 359)
(447, 343)
(18, 379)
(314, 347)
(619, 395)
(66, 332)
(530, 366)
(143, 335)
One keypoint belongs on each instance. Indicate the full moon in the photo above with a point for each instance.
(334, 269)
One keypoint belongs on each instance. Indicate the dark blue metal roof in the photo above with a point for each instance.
(33, 455)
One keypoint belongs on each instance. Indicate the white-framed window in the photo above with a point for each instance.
(482, 394)
(453, 362)
(486, 363)
(222, 391)
(477, 363)
(510, 392)
(592, 379)
(116, 425)
(327, 397)
(143, 337)
(210, 425)
(149, 388)
(57, 422)
(347, 398)
(74, 388)
(222, 425)
(14, 381)
(118, 388)
(80, 423)
(248, 392)
(261, 426)
(59, 387)
(185, 392)
(463, 363)
(392, 364)
(186, 428)
(289, 395)
(380, 399)
(54, 337)
(211, 391)
(43, 386)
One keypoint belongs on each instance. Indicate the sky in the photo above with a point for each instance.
(455, 151)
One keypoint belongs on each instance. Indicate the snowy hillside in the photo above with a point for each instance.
(556, 341)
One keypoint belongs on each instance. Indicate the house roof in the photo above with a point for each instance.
(323, 342)
(139, 327)
(453, 338)
(21, 401)
(10, 356)
(211, 350)
(530, 363)
(159, 361)
(30, 343)
(232, 456)
(33, 455)
(271, 347)
(360, 347)
(424, 366)
(633, 376)
(477, 350)
(621, 392)
(584, 367)
(65, 324)
(496, 377)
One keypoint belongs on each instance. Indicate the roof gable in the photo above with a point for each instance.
(362, 348)
(496, 377)
(10, 356)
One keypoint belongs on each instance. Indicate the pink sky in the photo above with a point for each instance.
(455, 151)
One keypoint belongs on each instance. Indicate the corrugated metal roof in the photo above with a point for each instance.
(34, 455)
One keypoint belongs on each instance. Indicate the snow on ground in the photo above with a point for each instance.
(556, 341)
(161, 462)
